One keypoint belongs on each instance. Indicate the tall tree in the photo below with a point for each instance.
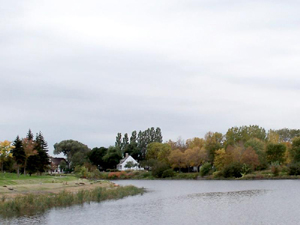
(213, 142)
(152, 135)
(275, 152)
(118, 143)
(41, 147)
(158, 135)
(112, 157)
(235, 135)
(177, 159)
(29, 135)
(125, 143)
(295, 150)
(5, 148)
(96, 157)
(69, 148)
(29, 150)
(18, 153)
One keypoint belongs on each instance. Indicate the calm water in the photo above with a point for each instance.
(188, 202)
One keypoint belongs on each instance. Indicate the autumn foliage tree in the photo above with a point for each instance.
(5, 148)
(177, 159)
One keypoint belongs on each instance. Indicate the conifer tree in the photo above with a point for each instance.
(18, 153)
(29, 135)
(42, 157)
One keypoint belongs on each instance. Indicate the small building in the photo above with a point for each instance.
(129, 161)
(55, 165)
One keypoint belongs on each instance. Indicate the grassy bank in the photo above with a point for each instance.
(144, 175)
(36, 203)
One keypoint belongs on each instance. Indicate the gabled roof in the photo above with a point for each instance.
(124, 159)
(57, 161)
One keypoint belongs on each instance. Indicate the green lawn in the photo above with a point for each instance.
(13, 179)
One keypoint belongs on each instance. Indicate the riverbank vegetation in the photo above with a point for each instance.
(27, 195)
(247, 152)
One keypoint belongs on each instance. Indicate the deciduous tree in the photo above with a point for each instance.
(5, 148)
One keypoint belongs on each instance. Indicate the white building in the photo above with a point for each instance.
(130, 160)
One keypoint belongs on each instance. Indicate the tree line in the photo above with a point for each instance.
(238, 151)
(28, 154)
(78, 154)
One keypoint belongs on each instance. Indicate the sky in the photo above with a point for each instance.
(86, 70)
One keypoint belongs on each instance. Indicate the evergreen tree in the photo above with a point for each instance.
(18, 153)
(29, 135)
(42, 158)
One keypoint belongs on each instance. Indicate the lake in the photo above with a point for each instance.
(177, 202)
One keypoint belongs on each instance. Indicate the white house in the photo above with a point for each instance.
(128, 159)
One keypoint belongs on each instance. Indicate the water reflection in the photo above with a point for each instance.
(187, 202)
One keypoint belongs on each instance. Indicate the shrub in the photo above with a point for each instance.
(159, 168)
(168, 173)
(294, 169)
(205, 169)
(232, 170)
(275, 168)
(116, 175)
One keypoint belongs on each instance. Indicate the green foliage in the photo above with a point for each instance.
(130, 164)
(205, 169)
(287, 135)
(96, 157)
(112, 157)
(232, 170)
(63, 165)
(18, 151)
(275, 153)
(186, 176)
(168, 173)
(295, 151)
(244, 133)
(78, 159)
(245, 170)
(294, 169)
(69, 148)
(159, 168)
(213, 142)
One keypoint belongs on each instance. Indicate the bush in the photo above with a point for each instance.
(275, 168)
(205, 169)
(159, 168)
(187, 176)
(112, 170)
(294, 169)
(233, 170)
(168, 173)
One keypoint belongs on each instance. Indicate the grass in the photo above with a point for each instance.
(38, 203)
(13, 179)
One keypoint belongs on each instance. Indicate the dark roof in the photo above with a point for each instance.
(122, 160)
(57, 161)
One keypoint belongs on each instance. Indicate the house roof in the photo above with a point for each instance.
(57, 161)
(123, 160)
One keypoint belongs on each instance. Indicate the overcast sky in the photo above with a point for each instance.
(86, 70)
